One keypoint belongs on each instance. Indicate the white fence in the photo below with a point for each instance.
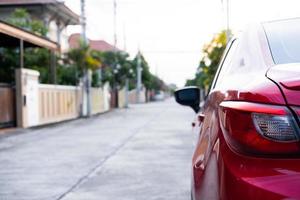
(58, 103)
(100, 98)
(39, 104)
(133, 96)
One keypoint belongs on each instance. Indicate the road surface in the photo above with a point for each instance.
(141, 153)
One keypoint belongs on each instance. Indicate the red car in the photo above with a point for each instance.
(249, 124)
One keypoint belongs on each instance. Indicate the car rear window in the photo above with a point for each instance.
(284, 40)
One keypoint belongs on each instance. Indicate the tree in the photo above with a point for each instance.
(212, 53)
(117, 67)
(67, 75)
(22, 19)
(150, 81)
(77, 62)
(82, 58)
(9, 60)
(34, 58)
(146, 74)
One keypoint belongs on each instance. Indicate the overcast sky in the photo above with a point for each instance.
(171, 33)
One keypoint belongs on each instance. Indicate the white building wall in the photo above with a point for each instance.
(64, 37)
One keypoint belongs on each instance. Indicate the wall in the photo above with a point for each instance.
(100, 99)
(58, 103)
(64, 37)
(122, 98)
(133, 96)
(27, 99)
(39, 104)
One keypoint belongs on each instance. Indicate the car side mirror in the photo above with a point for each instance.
(189, 96)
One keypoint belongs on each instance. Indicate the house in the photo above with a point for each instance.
(25, 102)
(53, 13)
(13, 101)
(99, 45)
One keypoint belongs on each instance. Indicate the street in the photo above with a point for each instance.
(143, 152)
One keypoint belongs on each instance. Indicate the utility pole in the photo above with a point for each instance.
(114, 86)
(86, 82)
(139, 78)
(226, 15)
(115, 24)
(126, 80)
(83, 21)
(227, 22)
(124, 37)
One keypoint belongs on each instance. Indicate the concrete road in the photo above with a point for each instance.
(140, 153)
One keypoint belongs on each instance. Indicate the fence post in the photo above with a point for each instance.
(27, 98)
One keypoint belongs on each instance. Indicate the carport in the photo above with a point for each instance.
(14, 37)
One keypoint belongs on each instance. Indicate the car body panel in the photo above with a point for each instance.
(218, 172)
(287, 76)
(246, 177)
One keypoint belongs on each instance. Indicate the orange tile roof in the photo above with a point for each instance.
(99, 45)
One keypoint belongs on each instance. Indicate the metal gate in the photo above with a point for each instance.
(7, 106)
(114, 99)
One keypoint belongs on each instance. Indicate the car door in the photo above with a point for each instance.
(205, 170)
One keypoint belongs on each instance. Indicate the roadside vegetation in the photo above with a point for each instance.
(113, 67)
(211, 56)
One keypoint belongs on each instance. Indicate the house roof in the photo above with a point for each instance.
(56, 6)
(11, 36)
(99, 45)
(21, 2)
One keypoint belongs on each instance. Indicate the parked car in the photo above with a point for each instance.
(159, 96)
(248, 126)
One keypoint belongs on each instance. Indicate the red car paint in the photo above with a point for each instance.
(288, 78)
(264, 169)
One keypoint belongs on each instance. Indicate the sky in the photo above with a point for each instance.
(171, 33)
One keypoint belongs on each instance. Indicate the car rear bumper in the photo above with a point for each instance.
(245, 177)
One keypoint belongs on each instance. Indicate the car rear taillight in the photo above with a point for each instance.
(259, 128)
(276, 127)
(297, 111)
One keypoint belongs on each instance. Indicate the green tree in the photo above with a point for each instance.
(34, 58)
(9, 60)
(67, 75)
(116, 67)
(150, 81)
(21, 18)
(212, 53)
(146, 74)
(77, 61)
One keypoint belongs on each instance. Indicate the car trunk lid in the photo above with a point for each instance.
(287, 76)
